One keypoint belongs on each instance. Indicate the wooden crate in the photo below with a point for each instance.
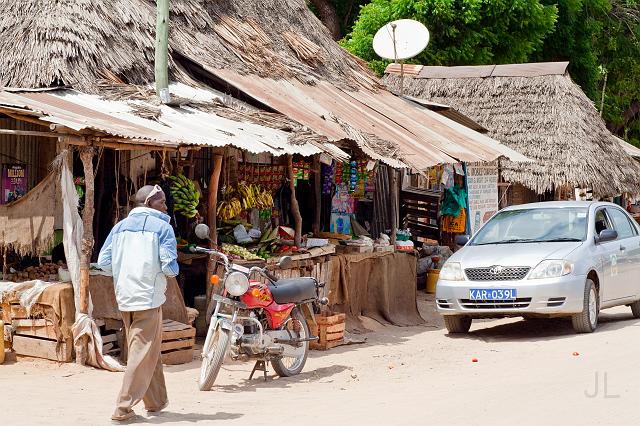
(36, 328)
(330, 329)
(177, 342)
(43, 348)
(39, 338)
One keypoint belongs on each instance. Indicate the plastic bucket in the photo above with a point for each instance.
(432, 280)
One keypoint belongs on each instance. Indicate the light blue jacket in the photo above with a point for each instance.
(140, 253)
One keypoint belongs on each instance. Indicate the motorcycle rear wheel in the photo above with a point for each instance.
(214, 357)
(287, 366)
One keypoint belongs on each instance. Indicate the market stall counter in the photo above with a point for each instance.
(381, 286)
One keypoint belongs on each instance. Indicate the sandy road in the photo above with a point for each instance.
(526, 374)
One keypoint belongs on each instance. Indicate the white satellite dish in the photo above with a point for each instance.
(401, 39)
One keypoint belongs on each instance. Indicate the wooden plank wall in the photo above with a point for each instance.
(36, 152)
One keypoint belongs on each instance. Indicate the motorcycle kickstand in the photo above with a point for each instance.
(261, 365)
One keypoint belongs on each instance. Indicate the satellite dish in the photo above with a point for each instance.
(401, 39)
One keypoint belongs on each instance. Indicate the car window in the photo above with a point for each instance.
(601, 221)
(622, 224)
(534, 225)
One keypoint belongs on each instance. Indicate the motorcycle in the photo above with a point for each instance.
(254, 320)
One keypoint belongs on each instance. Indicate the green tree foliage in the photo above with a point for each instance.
(463, 32)
(601, 39)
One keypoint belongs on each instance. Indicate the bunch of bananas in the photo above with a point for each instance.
(265, 200)
(252, 196)
(228, 209)
(186, 197)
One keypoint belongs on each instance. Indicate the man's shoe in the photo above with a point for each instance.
(123, 417)
(156, 410)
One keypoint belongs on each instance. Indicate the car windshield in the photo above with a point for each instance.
(534, 226)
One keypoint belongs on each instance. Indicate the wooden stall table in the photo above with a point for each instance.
(380, 285)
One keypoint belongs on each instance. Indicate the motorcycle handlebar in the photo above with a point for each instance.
(212, 252)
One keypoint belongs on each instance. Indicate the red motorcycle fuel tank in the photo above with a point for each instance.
(259, 296)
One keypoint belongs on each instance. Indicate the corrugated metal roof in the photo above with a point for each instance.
(535, 69)
(409, 69)
(175, 126)
(632, 150)
(450, 113)
(423, 137)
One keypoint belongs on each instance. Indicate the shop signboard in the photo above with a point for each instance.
(14, 182)
(482, 187)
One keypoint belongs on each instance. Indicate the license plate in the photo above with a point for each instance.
(492, 294)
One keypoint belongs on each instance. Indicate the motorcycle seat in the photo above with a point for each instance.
(293, 290)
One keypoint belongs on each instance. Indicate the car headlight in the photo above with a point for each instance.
(237, 284)
(452, 271)
(551, 269)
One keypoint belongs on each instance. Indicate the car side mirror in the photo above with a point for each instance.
(607, 235)
(286, 262)
(462, 240)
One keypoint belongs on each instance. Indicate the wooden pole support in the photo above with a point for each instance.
(162, 47)
(393, 195)
(317, 193)
(214, 183)
(295, 207)
(86, 155)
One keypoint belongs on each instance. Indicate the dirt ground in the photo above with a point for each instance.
(526, 373)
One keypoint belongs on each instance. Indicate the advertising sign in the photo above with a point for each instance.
(482, 184)
(14, 182)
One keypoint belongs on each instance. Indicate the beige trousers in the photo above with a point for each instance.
(143, 379)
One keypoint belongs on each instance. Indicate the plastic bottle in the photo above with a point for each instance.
(1, 342)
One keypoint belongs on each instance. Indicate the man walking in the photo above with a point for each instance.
(141, 253)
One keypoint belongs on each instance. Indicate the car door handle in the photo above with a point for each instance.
(622, 248)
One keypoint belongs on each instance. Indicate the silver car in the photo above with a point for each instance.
(548, 259)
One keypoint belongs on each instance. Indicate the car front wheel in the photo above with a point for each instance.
(457, 324)
(587, 320)
(635, 309)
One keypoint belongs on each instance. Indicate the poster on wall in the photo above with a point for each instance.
(14, 182)
(482, 184)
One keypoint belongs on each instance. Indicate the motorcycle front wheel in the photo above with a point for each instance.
(213, 357)
(290, 366)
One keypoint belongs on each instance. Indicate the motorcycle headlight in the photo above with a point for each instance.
(452, 271)
(237, 283)
(551, 269)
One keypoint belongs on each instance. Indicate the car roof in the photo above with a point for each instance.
(559, 204)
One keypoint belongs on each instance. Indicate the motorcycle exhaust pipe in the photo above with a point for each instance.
(294, 342)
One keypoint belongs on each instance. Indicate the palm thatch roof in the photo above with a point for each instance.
(74, 42)
(540, 112)
(273, 53)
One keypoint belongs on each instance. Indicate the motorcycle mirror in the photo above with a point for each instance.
(202, 231)
(286, 262)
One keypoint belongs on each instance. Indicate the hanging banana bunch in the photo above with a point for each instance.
(229, 209)
(185, 196)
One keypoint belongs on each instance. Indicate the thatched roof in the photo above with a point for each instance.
(49, 42)
(543, 115)
(273, 53)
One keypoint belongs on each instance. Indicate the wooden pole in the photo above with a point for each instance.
(317, 192)
(295, 207)
(86, 155)
(214, 183)
(162, 49)
(393, 196)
